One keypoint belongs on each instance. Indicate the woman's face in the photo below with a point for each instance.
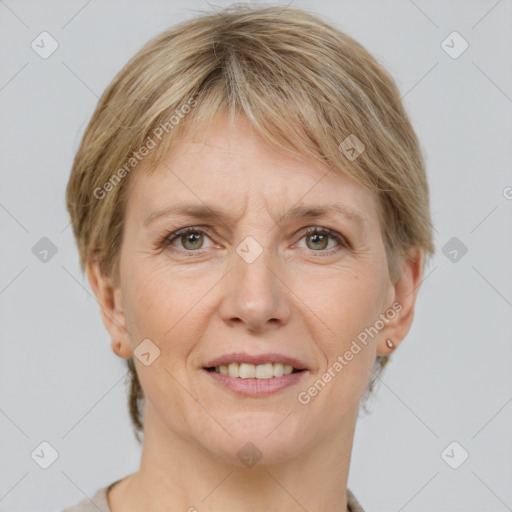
(252, 286)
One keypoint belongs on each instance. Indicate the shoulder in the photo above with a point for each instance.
(98, 502)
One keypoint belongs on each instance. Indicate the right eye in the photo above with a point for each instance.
(191, 239)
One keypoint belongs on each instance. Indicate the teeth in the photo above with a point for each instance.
(264, 371)
(287, 369)
(278, 369)
(247, 371)
(233, 370)
(251, 371)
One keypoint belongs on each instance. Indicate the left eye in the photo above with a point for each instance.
(317, 239)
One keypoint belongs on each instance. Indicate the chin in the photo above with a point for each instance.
(259, 440)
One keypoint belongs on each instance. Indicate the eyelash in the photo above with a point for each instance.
(340, 239)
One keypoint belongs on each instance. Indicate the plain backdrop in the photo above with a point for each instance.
(450, 381)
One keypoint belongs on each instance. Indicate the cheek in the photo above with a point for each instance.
(167, 309)
(351, 303)
(154, 298)
(354, 306)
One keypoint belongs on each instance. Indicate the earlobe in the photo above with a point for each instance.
(109, 298)
(405, 293)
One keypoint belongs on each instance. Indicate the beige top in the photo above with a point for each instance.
(99, 502)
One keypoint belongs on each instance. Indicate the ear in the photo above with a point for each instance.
(109, 297)
(401, 301)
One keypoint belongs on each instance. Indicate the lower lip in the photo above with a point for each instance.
(256, 387)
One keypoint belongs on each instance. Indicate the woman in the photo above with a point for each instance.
(250, 204)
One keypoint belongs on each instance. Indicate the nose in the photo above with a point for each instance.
(255, 295)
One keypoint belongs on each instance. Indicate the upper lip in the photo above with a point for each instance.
(241, 357)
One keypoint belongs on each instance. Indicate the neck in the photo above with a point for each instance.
(177, 475)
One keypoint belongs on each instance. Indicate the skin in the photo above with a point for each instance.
(294, 299)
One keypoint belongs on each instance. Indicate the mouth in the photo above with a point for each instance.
(255, 375)
(251, 371)
(262, 366)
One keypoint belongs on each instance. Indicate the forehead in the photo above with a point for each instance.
(230, 165)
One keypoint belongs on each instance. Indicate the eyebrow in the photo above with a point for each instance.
(210, 212)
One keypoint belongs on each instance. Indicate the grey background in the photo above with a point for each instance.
(449, 381)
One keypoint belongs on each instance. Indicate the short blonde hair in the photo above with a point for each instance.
(304, 85)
